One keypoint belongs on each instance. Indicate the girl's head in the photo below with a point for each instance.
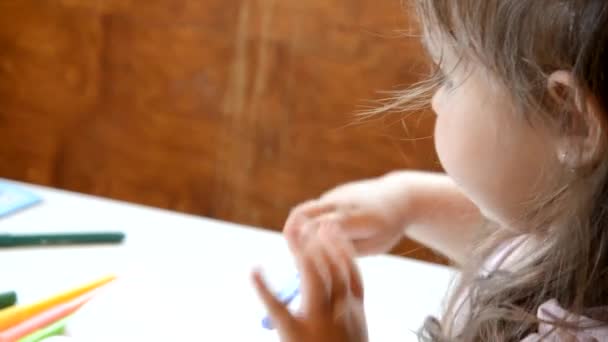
(521, 94)
(520, 106)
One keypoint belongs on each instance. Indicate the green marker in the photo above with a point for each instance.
(7, 299)
(54, 329)
(77, 238)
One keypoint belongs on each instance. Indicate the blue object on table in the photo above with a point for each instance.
(14, 198)
(286, 295)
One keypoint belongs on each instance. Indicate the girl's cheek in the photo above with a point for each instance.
(443, 135)
(454, 141)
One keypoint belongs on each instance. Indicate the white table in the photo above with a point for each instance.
(187, 278)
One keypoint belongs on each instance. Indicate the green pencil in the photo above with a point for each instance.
(71, 238)
(54, 329)
(7, 299)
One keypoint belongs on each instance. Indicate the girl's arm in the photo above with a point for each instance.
(436, 213)
(375, 213)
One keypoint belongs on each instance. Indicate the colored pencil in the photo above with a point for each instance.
(16, 314)
(43, 319)
(57, 328)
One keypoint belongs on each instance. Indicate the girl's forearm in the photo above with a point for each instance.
(436, 213)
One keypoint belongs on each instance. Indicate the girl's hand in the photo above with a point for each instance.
(331, 290)
(369, 213)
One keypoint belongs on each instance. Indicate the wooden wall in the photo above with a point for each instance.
(233, 109)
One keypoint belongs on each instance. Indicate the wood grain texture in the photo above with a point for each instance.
(236, 110)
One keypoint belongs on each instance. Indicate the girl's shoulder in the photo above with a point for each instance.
(587, 329)
(505, 257)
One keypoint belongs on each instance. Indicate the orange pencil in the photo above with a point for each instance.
(43, 319)
(14, 315)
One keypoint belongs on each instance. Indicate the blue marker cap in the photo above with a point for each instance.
(286, 295)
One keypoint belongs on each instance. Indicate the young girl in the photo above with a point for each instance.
(521, 96)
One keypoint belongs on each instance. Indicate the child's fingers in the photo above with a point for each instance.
(300, 216)
(296, 219)
(345, 255)
(315, 277)
(277, 311)
(308, 229)
(338, 267)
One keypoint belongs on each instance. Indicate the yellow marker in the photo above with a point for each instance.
(16, 314)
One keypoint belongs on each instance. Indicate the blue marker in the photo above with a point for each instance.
(286, 295)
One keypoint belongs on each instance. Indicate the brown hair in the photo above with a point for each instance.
(520, 43)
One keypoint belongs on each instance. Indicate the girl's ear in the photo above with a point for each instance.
(580, 142)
